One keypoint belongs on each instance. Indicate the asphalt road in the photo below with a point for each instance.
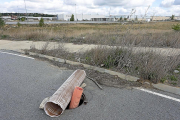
(25, 82)
(61, 22)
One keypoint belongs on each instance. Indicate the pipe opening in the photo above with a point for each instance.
(53, 109)
(82, 100)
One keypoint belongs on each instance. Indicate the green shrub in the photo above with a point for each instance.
(176, 27)
(41, 22)
(23, 19)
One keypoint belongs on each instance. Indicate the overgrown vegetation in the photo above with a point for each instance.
(150, 65)
(147, 65)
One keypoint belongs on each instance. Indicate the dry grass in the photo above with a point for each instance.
(146, 65)
(157, 34)
(149, 65)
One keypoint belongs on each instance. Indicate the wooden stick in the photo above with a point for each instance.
(95, 82)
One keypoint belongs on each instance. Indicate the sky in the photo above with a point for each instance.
(101, 7)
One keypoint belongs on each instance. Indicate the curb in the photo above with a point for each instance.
(102, 70)
(167, 88)
(163, 87)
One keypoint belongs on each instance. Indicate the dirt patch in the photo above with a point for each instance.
(101, 78)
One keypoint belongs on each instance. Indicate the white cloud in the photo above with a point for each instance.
(118, 7)
(167, 3)
(123, 3)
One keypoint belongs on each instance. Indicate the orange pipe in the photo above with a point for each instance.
(76, 97)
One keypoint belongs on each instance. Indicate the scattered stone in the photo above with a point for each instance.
(176, 71)
(102, 65)
(166, 81)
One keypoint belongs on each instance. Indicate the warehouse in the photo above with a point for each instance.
(78, 17)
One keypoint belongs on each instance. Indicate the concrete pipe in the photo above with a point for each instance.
(58, 102)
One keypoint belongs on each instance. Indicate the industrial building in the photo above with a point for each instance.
(78, 17)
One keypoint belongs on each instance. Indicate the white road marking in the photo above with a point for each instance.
(158, 94)
(17, 55)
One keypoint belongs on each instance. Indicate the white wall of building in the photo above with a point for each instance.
(78, 17)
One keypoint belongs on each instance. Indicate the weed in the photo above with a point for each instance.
(163, 79)
(173, 78)
(174, 83)
(18, 24)
(4, 36)
(44, 48)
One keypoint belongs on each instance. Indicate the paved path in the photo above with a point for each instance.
(18, 45)
(25, 82)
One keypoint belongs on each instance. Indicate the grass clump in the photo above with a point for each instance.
(176, 27)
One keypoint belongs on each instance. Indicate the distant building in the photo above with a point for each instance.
(78, 17)
(31, 18)
(6, 17)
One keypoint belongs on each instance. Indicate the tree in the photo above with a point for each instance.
(41, 22)
(72, 18)
(23, 19)
(172, 17)
(120, 18)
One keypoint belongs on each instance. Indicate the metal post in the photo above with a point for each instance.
(75, 12)
(26, 10)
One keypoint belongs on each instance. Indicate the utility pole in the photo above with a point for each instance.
(109, 11)
(82, 16)
(26, 10)
(75, 13)
(18, 12)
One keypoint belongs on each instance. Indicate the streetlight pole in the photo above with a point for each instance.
(26, 10)
(75, 12)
